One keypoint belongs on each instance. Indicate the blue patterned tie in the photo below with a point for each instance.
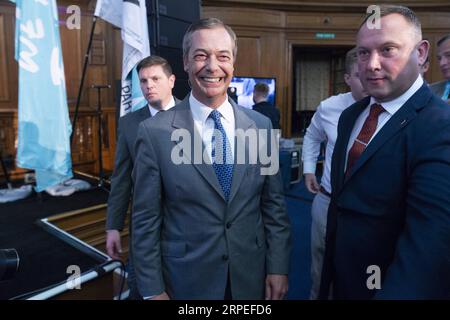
(222, 158)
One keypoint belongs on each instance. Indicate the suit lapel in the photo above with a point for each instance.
(344, 131)
(243, 122)
(183, 120)
(143, 113)
(398, 121)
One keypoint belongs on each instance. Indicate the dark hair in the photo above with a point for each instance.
(261, 88)
(443, 39)
(208, 23)
(351, 58)
(408, 14)
(155, 61)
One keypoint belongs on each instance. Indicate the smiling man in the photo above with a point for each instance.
(388, 231)
(213, 230)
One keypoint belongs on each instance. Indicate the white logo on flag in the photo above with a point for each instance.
(32, 31)
(56, 69)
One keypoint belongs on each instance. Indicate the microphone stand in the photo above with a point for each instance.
(101, 178)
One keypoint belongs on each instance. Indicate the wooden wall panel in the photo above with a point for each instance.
(266, 19)
(8, 65)
(7, 135)
(324, 6)
(248, 62)
(72, 57)
(323, 21)
(4, 88)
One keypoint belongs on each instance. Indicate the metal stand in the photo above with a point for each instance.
(101, 178)
(8, 181)
(83, 75)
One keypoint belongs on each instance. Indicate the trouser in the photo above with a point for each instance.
(319, 212)
(131, 279)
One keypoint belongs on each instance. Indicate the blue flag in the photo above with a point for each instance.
(44, 124)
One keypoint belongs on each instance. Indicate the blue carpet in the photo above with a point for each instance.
(298, 201)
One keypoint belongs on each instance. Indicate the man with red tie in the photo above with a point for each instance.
(388, 232)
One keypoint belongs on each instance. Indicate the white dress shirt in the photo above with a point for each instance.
(391, 108)
(205, 125)
(323, 127)
(154, 111)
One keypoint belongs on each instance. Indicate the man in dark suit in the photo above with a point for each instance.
(442, 88)
(157, 81)
(260, 94)
(388, 233)
(205, 224)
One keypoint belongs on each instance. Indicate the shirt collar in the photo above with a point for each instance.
(393, 105)
(200, 112)
(154, 111)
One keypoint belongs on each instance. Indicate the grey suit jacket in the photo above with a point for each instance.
(121, 183)
(438, 88)
(186, 239)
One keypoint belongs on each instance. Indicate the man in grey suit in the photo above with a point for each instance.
(215, 228)
(157, 81)
(442, 88)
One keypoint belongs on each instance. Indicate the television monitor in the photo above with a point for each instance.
(241, 89)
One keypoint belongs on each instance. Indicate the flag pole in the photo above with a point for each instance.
(83, 75)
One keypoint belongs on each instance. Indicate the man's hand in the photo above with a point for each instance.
(311, 183)
(113, 244)
(276, 286)
(162, 296)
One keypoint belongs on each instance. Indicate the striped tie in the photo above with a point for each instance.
(363, 138)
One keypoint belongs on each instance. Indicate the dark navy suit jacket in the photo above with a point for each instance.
(270, 112)
(393, 209)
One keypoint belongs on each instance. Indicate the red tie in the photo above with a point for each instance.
(363, 138)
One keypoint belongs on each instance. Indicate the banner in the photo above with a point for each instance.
(131, 17)
(44, 124)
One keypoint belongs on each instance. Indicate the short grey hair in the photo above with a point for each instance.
(208, 23)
